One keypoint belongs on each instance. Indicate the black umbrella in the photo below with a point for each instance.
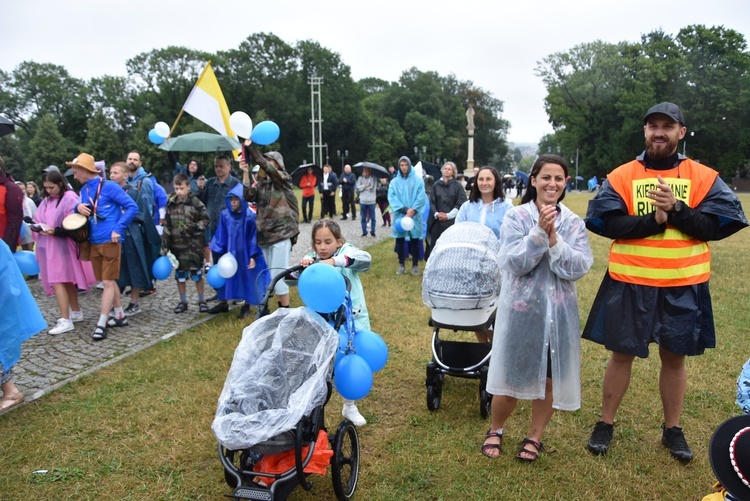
(431, 169)
(375, 169)
(302, 170)
(6, 127)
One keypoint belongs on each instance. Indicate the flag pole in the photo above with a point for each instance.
(182, 110)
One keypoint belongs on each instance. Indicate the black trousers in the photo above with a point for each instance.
(307, 208)
(347, 198)
(328, 204)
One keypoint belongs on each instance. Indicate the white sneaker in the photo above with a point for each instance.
(62, 325)
(76, 316)
(100, 286)
(351, 413)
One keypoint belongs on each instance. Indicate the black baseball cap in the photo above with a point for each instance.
(670, 109)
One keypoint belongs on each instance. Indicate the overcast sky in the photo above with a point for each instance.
(494, 43)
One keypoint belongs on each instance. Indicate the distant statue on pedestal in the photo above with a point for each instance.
(470, 128)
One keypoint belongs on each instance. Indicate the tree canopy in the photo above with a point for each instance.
(599, 92)
(375, 120)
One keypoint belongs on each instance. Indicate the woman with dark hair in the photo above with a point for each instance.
(536, 350)
(446, 197)
(59, 266)
(487, 204)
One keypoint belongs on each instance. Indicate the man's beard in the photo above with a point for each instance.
(662, 152)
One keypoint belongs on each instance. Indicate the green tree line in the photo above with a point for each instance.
(597, 94)
(59, 115)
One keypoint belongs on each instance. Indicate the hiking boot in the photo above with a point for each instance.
(674, 439)
(415, 270)
(132, 309)
(601, 438)
(62, 325)
(401, 270)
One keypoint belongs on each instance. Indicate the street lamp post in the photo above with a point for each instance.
(343, 155)
(419, 152)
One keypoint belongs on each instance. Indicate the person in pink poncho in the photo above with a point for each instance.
(60, 268)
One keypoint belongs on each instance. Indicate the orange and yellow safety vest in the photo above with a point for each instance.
(671, 258)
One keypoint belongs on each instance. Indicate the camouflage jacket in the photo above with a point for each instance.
(277, 215)
(185, 231)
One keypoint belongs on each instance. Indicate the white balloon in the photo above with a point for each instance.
(241, 124)
(162, 129)
(227, 265)
(407, 223)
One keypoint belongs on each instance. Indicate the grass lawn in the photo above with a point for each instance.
(140, 429)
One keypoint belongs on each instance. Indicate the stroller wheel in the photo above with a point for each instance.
(434, 395)
(345, 461)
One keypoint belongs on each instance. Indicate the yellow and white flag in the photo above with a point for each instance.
(206, 103)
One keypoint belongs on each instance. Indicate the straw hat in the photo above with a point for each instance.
(84, 161)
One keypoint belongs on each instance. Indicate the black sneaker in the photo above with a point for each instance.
(674, 439)
(144, 292)
(244, 311)
(219, 308)
(601, 438)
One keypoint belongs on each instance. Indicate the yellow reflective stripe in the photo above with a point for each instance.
(670, 234)
(660, 273)
(660, 252)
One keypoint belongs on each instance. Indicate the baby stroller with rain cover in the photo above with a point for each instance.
(274, 400)
(461, 285)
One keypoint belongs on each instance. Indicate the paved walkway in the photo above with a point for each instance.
(49, 362)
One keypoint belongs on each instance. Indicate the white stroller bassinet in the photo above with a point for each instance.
(461, 282)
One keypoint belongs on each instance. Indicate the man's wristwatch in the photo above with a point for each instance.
(678, 206)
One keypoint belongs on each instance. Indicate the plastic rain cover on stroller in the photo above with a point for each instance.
(277, 376)
(463, 272)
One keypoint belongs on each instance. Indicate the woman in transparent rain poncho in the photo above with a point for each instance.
(536, 347)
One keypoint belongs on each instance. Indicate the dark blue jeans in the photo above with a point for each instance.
(367, 211)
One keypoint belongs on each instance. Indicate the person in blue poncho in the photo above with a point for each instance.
(21, 320)
(236, 234)
(406, 196)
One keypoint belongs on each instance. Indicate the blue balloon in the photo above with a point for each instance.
(214, 279)
(353, 377)
(162, 268)
(26, 261)
(154, 137)
(398, 226)
(265, 133)
(372, 348)
(322, 288)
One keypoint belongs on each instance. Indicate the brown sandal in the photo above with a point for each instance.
(534, 454)
(7, 402)
(486, 448)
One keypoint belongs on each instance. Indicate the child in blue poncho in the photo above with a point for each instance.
(330, 248)
(236, 234)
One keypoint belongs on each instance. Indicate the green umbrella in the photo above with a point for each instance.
(201, 141)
